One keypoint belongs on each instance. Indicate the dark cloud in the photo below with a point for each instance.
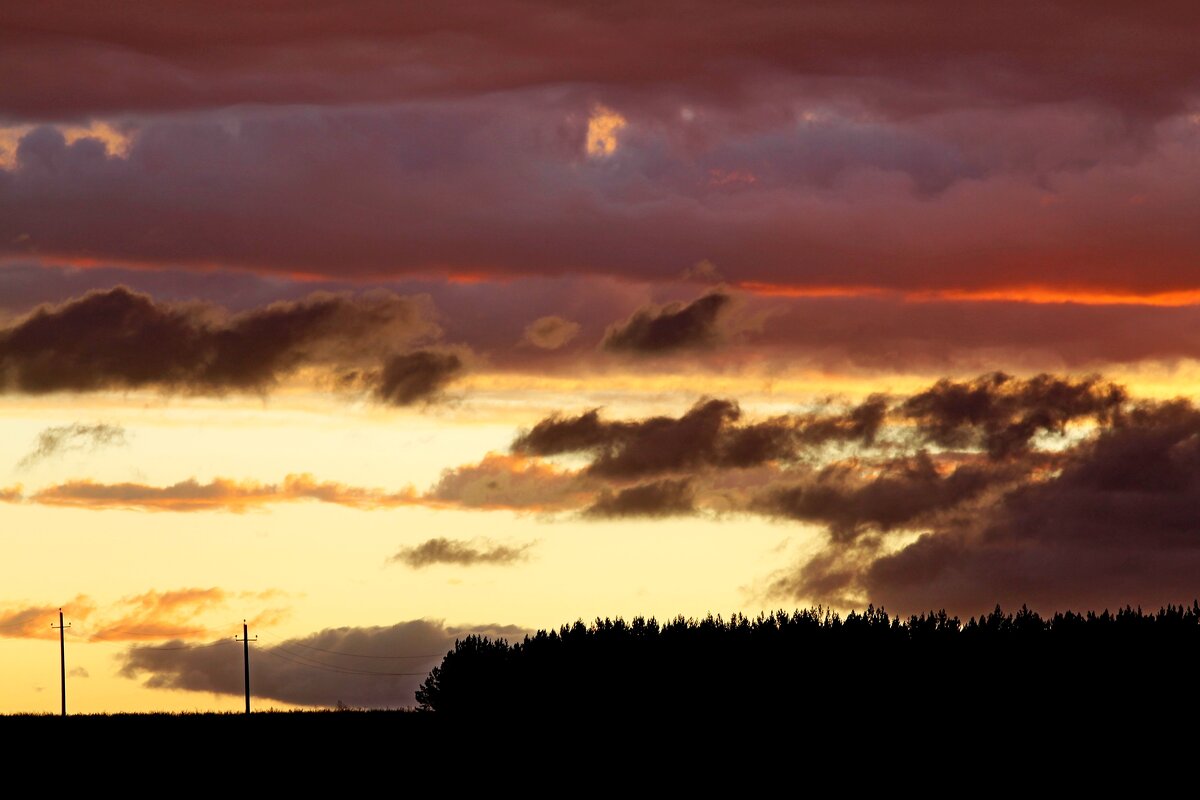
(419, 376)
(1053, 490)
(441, 550)
(710, 434)
(665, 498)
(558, 434)
(182, 56)
(1113, 524)
(1003, 414)
(858, 424)
(673, 327)
(120, 339)
(850, 498)
(377, 667)
(58, 439)
(550, 333)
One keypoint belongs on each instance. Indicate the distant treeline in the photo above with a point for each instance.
(821, 662)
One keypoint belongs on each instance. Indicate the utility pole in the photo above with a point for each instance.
(62, 658)
(245, 640)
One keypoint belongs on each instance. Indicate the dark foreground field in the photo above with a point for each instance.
(805, 679)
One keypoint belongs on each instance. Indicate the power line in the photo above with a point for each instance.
(273, 651)
(300, 658)
(358, 655)
(159, 648)
(307, 660)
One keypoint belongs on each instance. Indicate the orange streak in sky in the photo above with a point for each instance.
(1018, 294)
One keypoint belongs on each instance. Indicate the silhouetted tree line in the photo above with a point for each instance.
(821, 662)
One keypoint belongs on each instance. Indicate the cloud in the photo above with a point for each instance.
(173, 58)
(152, 615)
(673, 327)
(218, 494)
(1051, 490)
(710, 434)
(120, 339)
(498, 186)
(58, 439)
(441, 550)
(160, 615)
(78, 672)
(417, 376)
(703, 271)
(34, 621)
(377, 667)
(1003, 414)
(497, 482)
(1115, 526)
(850, 498)
(11, 494)
(665, 498)
(550, 333)
(509, 482)
(1106, 521)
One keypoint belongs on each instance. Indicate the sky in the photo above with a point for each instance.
(378, 324)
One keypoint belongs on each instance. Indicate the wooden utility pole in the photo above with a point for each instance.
(62, 658)
(245, 640)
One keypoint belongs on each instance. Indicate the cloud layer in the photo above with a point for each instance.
(368, 51)
(854, 165)
(778, 333)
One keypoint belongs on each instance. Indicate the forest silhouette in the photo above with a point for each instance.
(818, 662)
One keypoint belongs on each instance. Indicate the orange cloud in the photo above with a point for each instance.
(497, 482)
(509, 482)
(152, 615)
(219, 494)
(162, 615)
(33, 622)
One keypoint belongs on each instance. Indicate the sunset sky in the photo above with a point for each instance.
(376, 324)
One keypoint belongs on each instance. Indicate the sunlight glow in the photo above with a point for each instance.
(604, 125)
